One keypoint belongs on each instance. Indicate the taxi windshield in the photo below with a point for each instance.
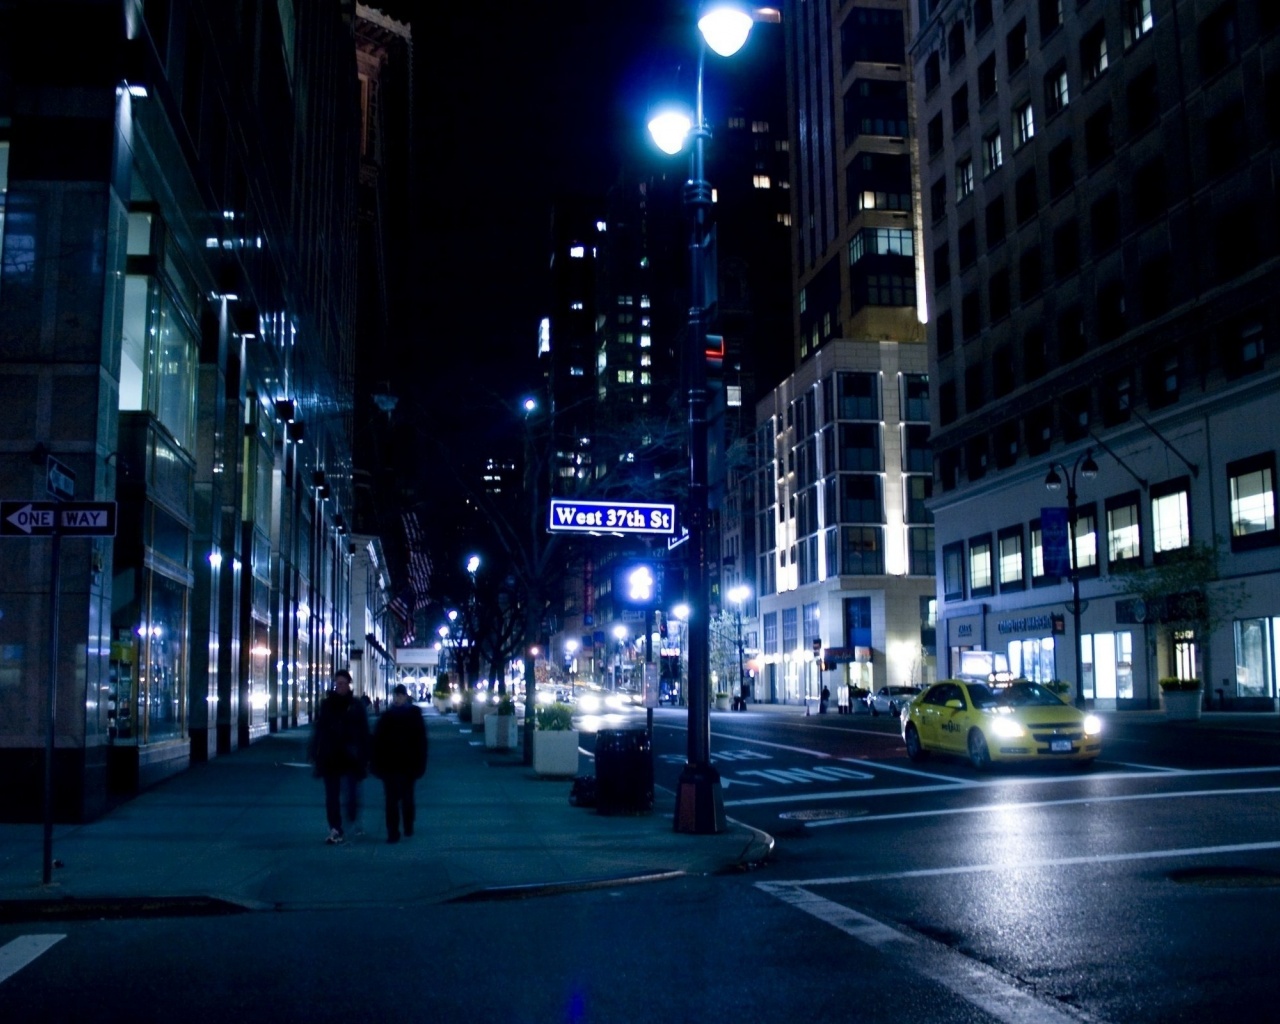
(1012, 696)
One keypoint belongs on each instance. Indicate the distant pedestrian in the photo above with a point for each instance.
(822, 703)
(400, 759)
(339, 749)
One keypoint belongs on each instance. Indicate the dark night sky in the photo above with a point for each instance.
(515, 105)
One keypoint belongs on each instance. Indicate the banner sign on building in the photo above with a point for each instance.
(610, 517)
(1054, 530)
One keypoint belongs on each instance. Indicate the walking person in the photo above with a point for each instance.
(400, 759)
(339, 749)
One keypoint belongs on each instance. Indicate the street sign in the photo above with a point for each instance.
(610, 517)
(69, 518)
(59, 481)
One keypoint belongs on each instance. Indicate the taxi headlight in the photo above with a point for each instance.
(589, 703)
(1092, 725)
(1007, 728)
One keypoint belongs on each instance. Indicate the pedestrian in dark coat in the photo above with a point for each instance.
(339, 749)
(400, 759)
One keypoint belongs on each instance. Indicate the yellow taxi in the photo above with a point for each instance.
(999, 722)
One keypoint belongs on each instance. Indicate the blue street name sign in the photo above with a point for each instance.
(610, 517)
(69, 518)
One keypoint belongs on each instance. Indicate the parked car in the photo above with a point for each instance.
(1021, 721)
(890, 700)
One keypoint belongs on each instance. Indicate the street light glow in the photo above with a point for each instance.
(473, 563)
(670, 129)
(725, 27)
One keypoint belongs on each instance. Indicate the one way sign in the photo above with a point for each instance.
(69, 518)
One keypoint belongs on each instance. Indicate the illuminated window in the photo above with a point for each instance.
(980, 566)
(1253, 502)
(626, 376)
(575, 305)
(1138, 20)
(964, 179)
(1170, 516)
(737, 122)
(1124, 536)
(1024, 125)
(784, 219)
(645, 341)
(992, 155)
(761, 181)
(1056, 92)
(646, 359)
(646, 377)
(577, 252)
(1011, 559)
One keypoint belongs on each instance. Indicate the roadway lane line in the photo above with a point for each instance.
(971, 980)
(1046, 862)
(1003, 808)
(21, 951)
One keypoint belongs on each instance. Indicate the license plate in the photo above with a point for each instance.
(1060, 746)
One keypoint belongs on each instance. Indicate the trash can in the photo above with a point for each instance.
(624, 771)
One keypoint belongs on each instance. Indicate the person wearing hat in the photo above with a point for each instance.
(399, 759)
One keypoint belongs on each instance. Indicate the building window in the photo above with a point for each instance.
(995, 222)
(945, 333)
(1253, 502)
(1066, 250)
(938, 199)
(1056, 93)
(999, 297)
(1086, 540)
(1050, 17)
(980, 576)
(1061, 173)
(1137, 20)
(935, 134)
(987, 79)
(860, 447)
(1245, 351)
(1143, 101)
(863, 551)
(1026, 200)
(970, 316)
(915, 397)
(932, 72)
(1093, 53)
(1024, 124)
(1170, 516)
(953, 571)
(1031, 278)
(858, 396)
(918, 491)
(769, 627)
(1098, 146)
(1011, 559)
(992, 154)
(860, 498)
(1104, 222)
(1016, 45)
(964, 179)
(959, 108)
(1219, 40)
(1124, 534)
(790, 635)
(967, 244)
(761, 181)
(942, 266)
(1038, 578)
(881, 242)
(955, 41)
(1148, 191)
(921, 556)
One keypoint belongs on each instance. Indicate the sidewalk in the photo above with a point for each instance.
(248, 828)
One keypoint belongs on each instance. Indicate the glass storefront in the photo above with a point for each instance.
(1256, 657)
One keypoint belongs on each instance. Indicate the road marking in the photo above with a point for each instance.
(1003, 808)
(971, 980)
(967, 784)
(21, 951)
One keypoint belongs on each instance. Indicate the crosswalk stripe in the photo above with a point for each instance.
(21, 951)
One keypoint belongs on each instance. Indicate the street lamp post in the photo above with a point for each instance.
(619, 634)
(699, 799)
(1088, 469)
(570, 649)
(738, 595)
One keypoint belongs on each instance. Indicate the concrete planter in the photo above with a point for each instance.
(1182, 705)
(480, 710)
(722, 702)
(555, 752)
(499, 731)
(442, 704)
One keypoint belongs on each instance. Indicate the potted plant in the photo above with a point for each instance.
(500, 725)
(555, 741)
(480, 707)
(1182, 698)
(722, 700)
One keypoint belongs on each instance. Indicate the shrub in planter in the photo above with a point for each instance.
(555, 717)
(506, 706)
(1168, 683)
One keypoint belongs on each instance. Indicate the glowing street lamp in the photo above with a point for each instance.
(1088, 469)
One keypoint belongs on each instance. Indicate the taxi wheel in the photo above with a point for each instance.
(895, 710)
(978, 753)
(915, 750)
(874, 712)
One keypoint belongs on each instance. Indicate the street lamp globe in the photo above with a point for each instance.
(725, 27)
(670, 129)
(739, 594)
(473, 563)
